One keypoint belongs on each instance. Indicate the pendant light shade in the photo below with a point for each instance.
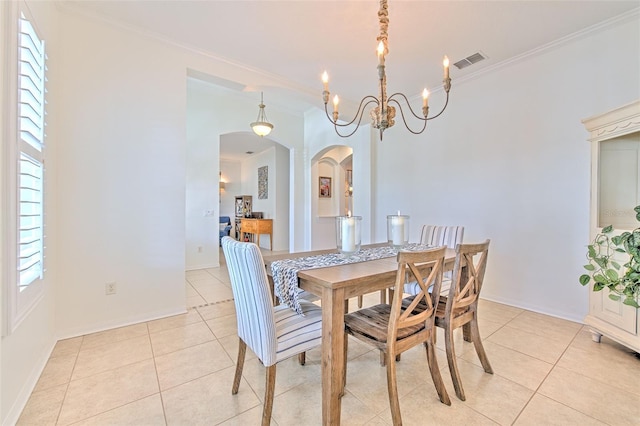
(261, 126)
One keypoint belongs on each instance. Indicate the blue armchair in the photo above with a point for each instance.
(225, 227)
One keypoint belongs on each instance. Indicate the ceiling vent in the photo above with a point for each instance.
(470, 60)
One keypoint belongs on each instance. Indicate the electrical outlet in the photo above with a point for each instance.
(110, 288)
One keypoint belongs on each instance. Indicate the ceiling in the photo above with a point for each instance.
(282, 47)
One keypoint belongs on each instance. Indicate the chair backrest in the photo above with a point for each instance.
(449, 236)
(252, 297)
(465, 288)
(409, 264)
(225, 219)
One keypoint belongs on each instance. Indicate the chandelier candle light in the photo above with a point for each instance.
(398, 230)
(348, 233)
(383, 115)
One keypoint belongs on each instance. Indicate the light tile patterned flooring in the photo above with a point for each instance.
(179, 371)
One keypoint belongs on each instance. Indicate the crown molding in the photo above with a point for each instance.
(631, 15)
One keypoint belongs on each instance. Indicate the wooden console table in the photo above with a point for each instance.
(257, 227)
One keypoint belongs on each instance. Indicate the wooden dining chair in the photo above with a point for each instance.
(393, 328)
(272, 333)
(460, 307)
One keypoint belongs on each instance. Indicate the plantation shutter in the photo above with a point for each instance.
(31, 128)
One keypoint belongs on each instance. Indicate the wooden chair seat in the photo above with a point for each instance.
(373, 322)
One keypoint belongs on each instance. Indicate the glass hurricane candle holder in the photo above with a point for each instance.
(348, 234)
(398, 230)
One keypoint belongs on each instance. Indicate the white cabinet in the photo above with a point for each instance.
(615, 191)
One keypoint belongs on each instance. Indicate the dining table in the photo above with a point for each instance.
(334, 285)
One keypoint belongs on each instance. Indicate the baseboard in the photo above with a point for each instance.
(536, 309)
(202, 266)
(108, 325)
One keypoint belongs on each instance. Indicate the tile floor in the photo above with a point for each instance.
(179, 371)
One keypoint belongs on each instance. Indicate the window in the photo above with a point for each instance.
(25, 119)
(31, 122)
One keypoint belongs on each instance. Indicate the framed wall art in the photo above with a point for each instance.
(324, 188)
(263, 182)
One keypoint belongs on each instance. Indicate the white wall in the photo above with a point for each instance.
(24, 352)
(282, 176)
(122, 177)
(510, 161)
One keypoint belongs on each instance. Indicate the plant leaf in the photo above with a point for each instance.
(589, 267)
(584, 279)
(607, 229)
(611, 274)
(601, 261)
(631, 302)
(614, 296)
(597, 286)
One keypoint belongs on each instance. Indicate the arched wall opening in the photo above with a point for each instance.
(331, 178)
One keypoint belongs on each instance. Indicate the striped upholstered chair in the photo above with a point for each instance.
(272, 333)
(437, 236)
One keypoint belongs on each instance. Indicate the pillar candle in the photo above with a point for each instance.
(397, 230)
(348, 234)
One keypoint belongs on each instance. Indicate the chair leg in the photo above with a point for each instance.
(392, 386)
(451, 359)
(477, 342)
(302, 358)
(435, 373)
(242, 350)
(466, 332)
(268, 395)
(344, 367)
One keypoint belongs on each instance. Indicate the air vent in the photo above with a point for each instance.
(470, 60)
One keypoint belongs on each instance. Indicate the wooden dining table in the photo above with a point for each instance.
(335, 285)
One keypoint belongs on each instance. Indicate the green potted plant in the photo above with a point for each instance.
(623, 281)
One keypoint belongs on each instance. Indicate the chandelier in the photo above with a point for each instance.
(261, 126)
(383, 115)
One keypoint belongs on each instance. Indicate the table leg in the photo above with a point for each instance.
(333, 358)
